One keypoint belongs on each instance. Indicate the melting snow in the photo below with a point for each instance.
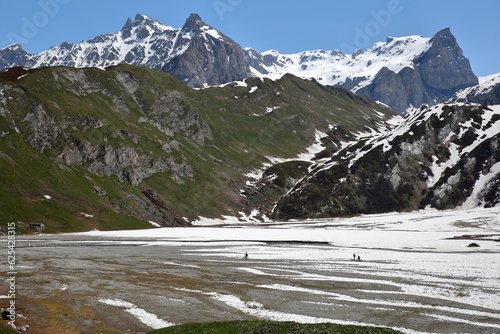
(145, 317)
(154, 224)
(409, 263)
(212, 32)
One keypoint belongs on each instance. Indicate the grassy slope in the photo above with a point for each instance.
(270, 327)
(243, 134)
(6, 330)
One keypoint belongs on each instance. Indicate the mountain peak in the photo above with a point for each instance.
(444, 37)
(13, 47)
(140, 18)
(193, 22)
(194, 17)
(444, 32)
(143, 25)
(127, 28)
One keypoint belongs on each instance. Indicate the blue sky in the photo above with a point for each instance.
(285, 25)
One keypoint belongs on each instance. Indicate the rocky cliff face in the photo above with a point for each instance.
(211, 58)
(443, 157)
(432, 77)
(443, 68)
(85, 138)
(402, 72)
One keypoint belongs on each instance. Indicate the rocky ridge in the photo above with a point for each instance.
(197, 54)
(487, 92)
(441, 157)
(402, 72)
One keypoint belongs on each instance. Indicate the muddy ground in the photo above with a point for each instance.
(77, 284)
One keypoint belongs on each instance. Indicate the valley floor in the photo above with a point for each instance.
(411, 276)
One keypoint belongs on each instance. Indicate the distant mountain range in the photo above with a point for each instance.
(197, 54)
(401, 72)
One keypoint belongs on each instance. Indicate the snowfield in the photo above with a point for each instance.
(335, 68)
(416, 272)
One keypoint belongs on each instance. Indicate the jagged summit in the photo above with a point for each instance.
(193, 21)
(142, 26)
(194, 24)
(402, 72)
(140, 17)
(197, 53)
(445, 34)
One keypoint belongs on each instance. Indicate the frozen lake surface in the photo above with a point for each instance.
(415, 273)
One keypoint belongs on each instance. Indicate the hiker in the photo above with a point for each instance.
(354, 257)
(359, 258)
(246, 256)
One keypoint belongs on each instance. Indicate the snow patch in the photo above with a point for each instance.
(149, 319)
(256, 309)
(480, 186)
(154, 224)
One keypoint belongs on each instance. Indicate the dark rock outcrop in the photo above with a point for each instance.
(442, 157)
(443, 68)
(434, 77)
(410, 71)
(487, 93)
(210, 58)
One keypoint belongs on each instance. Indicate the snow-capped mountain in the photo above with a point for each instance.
(196, 53)
(443, 157)
(401, 72)
(487, 92)
(335, 68)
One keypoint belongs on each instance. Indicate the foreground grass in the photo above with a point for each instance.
(7, 330)
(270, 327)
